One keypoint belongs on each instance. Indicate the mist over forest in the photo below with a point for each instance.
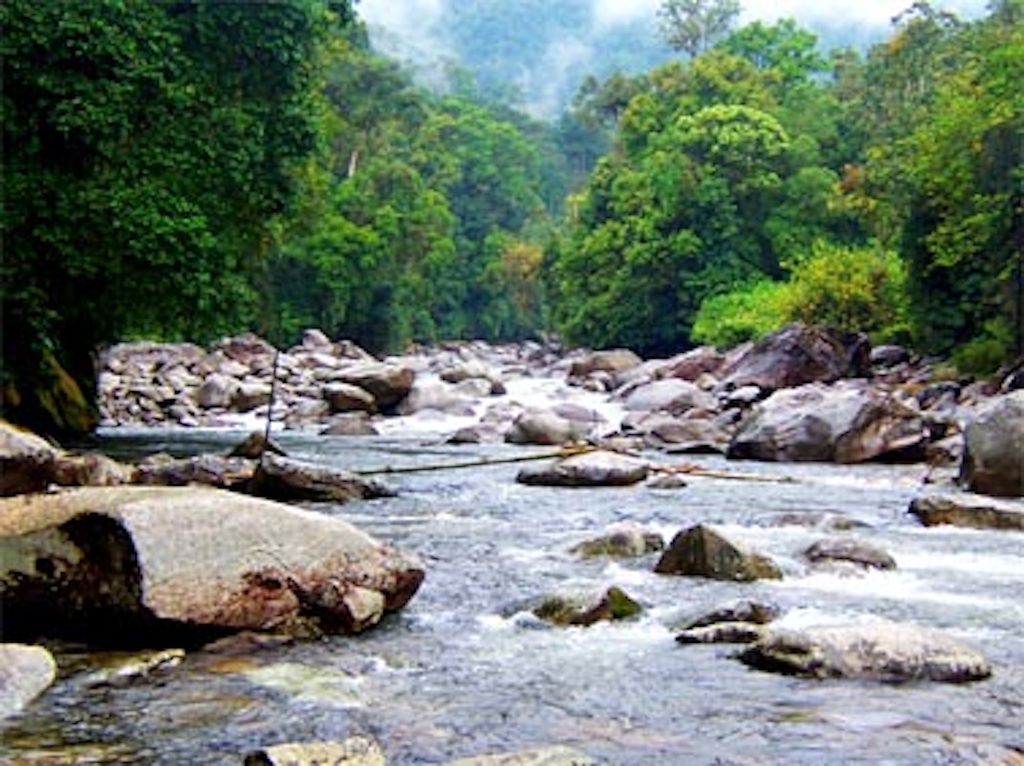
(536, 54)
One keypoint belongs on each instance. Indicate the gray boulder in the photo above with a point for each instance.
(146, 563)
(596, 468)
(702, 551)
(208, 470)
(993, 461)
(845, 424)
(800, 354)
(91, 470)
(961, 509)
(26, 461)
(217, 391)
(671, 395)
(612, 361)
(884, 651)
(740, 611)
(25, 673)
(544, 427)
(722, 633)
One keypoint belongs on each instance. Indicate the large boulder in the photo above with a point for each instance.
(800, 354)
(345, 397)
(702, 551)
(25, 673)
(596, 468)
(187, 564)
(26, 461)
(612, 361)
(994, 448)
(845, 424)
(882, 650)
(962, 509)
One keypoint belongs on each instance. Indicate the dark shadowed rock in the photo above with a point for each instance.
(280, 478)
(136, 564)
(994, 448)
(722, 633)
(26, 460)
(25, 673)
(846, 551)
(597, 468)
(254, 445)
(702, 551)
(962, 509)
(800, 354)
(884, 651)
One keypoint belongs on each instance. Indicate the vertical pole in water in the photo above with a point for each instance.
(270, 410)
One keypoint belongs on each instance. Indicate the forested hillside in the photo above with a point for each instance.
(190, 169)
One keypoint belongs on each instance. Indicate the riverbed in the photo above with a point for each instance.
(465, 670)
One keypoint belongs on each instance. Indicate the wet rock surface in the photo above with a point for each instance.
(702, 551)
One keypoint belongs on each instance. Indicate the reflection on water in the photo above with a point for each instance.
(450, 676)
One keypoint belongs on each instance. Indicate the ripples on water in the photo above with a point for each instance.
(450, 676)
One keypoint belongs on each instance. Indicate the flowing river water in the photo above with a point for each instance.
(462, 671)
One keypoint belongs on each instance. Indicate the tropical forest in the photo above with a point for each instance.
(189, 169)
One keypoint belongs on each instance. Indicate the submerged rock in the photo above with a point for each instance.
(25, 673)
(627, 540)
(884, 651)
(613, 604)
(596, 468)
(722, 633)
(848, 552)
(702, 551)
(741, 611)
(962, 509)
(187, 564)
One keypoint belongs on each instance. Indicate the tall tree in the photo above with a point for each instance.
(693, 26)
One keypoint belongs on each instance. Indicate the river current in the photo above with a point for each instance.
(464, 671)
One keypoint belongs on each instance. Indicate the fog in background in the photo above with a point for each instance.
(417, 33)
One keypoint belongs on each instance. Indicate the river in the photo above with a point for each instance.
(461, 672)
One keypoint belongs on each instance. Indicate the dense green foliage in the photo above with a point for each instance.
(193, 168)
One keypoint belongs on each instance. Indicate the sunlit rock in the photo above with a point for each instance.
(625, 540)
(879, 650)
(127, 564)
(26, 460)
(842, 553)
(596, 468)
(355, 751)
(559, 755)
(25, 673)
